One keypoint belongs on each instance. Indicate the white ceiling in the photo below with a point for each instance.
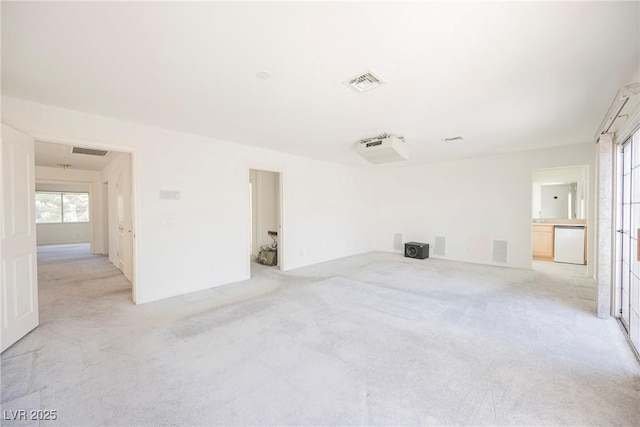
(506, 76)
(52, 155)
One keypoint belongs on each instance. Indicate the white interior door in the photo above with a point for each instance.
(251, 244)
(120, 220)
(18, 254)
(127, 244)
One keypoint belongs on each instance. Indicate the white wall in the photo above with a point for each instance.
(329, 210)
(74, 232)
(72, 187)
(202, 239)
(471, 202)
(48, 178)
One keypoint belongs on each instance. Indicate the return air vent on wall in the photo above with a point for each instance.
(500, 251)
(397, 241)
(89, 151)
(440, 246)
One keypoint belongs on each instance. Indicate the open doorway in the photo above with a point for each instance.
(265, 225)
(559, 220)
(84, 198)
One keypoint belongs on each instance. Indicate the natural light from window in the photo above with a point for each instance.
(59, 207)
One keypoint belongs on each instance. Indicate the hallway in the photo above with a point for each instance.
(72, 280)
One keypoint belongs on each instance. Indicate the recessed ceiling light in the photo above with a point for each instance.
(454, 139)
(263, 75)
(364, 82)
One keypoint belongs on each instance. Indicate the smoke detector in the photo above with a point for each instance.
(364, 82)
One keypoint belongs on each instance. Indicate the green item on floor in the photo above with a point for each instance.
(268, 257)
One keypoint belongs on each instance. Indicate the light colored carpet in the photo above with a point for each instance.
(375, 339)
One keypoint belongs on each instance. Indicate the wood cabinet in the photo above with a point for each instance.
(543, 242)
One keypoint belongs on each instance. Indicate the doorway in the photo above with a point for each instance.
(265, 219)
(559, 216)
(627, 293)
(107, 176)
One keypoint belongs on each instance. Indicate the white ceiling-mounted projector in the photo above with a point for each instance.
(383, 149)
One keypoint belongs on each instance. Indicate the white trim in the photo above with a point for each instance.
(630, 127)
(618, 103)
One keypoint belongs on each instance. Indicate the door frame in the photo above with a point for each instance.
(135, 191)
(618, 271)
(616, 292)
(282, 259)
(589, 211)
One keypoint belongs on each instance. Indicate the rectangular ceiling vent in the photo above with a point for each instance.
(364, 82)
(89, 151)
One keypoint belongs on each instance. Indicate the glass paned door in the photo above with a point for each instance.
(629, 232)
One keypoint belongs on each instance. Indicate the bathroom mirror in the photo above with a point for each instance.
(559, 193)
(558, 200)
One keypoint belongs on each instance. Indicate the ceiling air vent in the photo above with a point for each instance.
(364, 82)
(89, 151)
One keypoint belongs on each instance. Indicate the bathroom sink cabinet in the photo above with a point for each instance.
(543, 242)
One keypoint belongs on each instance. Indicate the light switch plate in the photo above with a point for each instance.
(169, 195)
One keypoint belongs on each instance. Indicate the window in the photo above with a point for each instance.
(56, 207)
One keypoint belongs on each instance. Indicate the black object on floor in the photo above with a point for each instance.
(416, 250)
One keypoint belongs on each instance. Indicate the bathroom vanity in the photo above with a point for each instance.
(543, 242)
(560, 242)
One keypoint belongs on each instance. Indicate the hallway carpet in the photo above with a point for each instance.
(374, 339)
